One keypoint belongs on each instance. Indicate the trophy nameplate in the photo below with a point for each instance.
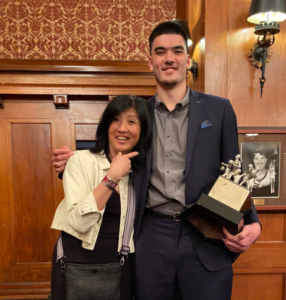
(224, 205)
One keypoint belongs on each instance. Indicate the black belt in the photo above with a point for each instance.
(176, 216)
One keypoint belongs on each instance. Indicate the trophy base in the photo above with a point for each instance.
(208, 216)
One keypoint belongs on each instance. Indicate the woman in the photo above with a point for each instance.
(92, 215)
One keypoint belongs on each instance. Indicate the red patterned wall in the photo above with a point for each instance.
(80, 29)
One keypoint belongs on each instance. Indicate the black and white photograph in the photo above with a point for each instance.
(264, 158)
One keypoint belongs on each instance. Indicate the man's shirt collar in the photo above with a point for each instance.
(180, 105)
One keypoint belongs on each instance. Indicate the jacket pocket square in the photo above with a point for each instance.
(206, 124)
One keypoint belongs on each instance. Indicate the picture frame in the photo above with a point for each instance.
(265, 149)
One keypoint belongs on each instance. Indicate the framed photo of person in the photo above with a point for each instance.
(264, 150)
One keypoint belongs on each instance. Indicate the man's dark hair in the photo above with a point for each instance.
(118, 105)
(169, 27)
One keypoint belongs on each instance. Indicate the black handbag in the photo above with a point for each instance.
(98, 281)
(89, 282)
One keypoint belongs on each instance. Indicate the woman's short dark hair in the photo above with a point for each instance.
(115, 107)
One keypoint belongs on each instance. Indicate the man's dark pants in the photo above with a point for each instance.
(165, 260)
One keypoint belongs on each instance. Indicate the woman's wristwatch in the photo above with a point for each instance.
(109, 183)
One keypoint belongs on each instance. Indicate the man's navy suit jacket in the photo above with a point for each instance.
(206, 149)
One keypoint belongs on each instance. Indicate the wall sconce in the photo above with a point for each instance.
(184, 25)
(266, 14)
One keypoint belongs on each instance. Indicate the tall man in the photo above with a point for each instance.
(183, 163)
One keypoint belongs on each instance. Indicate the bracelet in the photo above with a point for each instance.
(109, 183)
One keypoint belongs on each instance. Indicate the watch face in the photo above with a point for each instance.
(110, 182)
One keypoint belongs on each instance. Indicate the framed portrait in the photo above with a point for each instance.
(264, 150)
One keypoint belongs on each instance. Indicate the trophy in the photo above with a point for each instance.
(224, 205)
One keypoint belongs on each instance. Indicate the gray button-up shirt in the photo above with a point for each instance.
(167, 183)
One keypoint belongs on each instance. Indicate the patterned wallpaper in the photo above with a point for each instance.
(80, 29)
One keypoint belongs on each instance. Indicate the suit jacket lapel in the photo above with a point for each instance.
(141, 180)
(193, 126)
(151, 104)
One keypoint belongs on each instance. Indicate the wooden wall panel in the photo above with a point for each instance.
(263, 255)
(228, 72)
(27, 205)
(182, 10)
(258, 286)
(273, 225)
(5, 228)
(196, 19)
(56, 78)
(243, 78)
(33, 191)
(260, 272)
(222, 38)
(30, 128)
(216, 51)
(27, 289)
(85, 131)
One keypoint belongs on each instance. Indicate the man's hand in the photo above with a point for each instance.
(243, 240)
(60, 158)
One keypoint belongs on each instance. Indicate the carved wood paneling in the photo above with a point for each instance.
(216, 52)
(260, 272)
(110, 98)
(273, 227)
(30, 128)
(61, 101)
(27, 202)
(244, 88)
(86, 78)
(263, 255)
(83, 66)
(33, 192)
(5, 228)
(224, 70)
(37, 290)
(196, 19)
(85, 132)
(246, 287)
(30, 189)
(182, 10)
(229, 73)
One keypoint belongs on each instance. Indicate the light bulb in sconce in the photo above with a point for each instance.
(266, 14)
(190, 42)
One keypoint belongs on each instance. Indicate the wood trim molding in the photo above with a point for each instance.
(86, 66)
(1, 102)
(261, 130)
(61, 101)
(80, 90)
(110, 98)
(45, 83)
(75, 78)
(182, 10)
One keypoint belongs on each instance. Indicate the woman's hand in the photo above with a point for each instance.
(120, 166)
